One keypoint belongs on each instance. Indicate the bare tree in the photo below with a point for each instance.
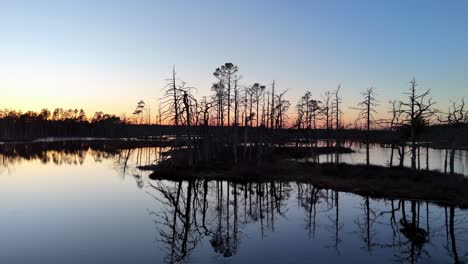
(337, 114)
(394, 122)
(366, 112)
(457, 118)
(171, 101)
(336, 107)
(272, 106)
(282, 106)
(205, 107)
(417, 110)
(326, 115)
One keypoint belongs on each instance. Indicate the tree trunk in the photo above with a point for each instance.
(452, 159)
(402, 156)
(391, 155)
(413, 148)
(427, 157)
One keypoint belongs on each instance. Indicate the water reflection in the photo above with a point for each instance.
(216, 211)
(74, 152)
(393, 155)
(221, 212)
(203, 221)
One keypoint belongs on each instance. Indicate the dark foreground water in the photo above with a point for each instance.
(96, 207)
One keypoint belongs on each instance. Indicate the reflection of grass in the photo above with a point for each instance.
(374, 181)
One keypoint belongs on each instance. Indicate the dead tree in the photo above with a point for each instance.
(366, 112)
(299, 119)
(326, 113)
(394, 122)
(171, 97)
(237, 101)
(187, 103)
(282, 106)
(417, 110)
(457, 118)
(272, 106)
(337, 114)
(171, 101)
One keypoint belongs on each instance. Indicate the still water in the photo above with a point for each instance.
(89, 206)
(431, 158)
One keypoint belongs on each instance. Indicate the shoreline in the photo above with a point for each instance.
(373, 181)
(156, 139)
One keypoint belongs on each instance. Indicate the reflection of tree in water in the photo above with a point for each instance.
(56, 152)
(308, 196)
(217, 210)
(177, 224)
(412, 232)
(409, 236)
(335, 226)
(251, 203)
(454, 232)
(63, 157)
(392, 222)
(127, 161)
(411, 249)
(224, 240)
(133, 157)
(75, 153)
(365, 223)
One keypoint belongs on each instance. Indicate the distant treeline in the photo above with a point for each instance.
(59, 123)
(73, 123)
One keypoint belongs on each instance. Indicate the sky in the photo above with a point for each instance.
(106, 55)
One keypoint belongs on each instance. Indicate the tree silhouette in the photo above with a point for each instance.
(366, 112)
(417, 110)
(226, 75)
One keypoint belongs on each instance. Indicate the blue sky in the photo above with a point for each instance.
(109, 54)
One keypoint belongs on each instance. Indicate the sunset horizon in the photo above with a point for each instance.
(246, 131)
(106, 56)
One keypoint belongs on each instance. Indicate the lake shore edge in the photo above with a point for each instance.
(373, 181)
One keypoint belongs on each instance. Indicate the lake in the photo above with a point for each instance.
(94, 206)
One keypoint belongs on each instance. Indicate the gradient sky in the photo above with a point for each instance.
(106, 55)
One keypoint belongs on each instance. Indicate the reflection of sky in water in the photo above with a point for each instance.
(95, 213)
(381, 156)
